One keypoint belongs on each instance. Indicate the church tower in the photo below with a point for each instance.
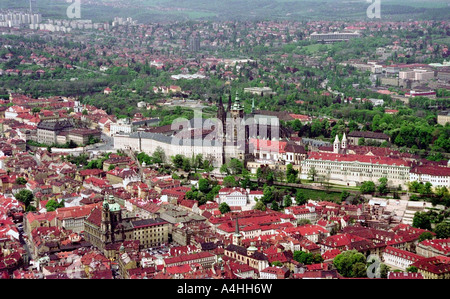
(222, 119)
(344, 144)
(336, 145)
(229, 103)
(221, 113)
(237, 237)
(105, 227)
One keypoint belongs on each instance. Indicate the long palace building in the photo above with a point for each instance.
(351, 165)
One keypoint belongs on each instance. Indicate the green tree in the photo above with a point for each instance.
(224, 208)
(224, 169)
(204, 185)
(442, 230)
(312, 173)
(383, 186)
(291, 174)
(198, 161)
(260, 206)
(303, 257)
(367, 187)
(277, 264)
(186, 165)
(52, 205)
(422, 220)
(275, 206)
(301, 222)
(425, 236)
(230, 181)
(268, 195)
(344, 195)
(235, 166)
(25, 196)
(359, 269)
(287, 201)
(412, 269)
(21, 181)
(177, 161)
(159, 156)
(350, 263)
(384, 270)
(300, 197)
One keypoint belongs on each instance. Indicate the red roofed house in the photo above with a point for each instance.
(107, 90)
(437, 267)
(434, 247)
(274, 273)
(204, 258)
(438, 176)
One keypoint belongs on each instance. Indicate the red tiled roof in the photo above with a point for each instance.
(269, 145)
(430, 170)
(437, 264)
(359, 158)
(187, 257)
(403, 254)
(95, 217)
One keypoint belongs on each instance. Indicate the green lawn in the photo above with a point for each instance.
(321, 195)
(316, 48)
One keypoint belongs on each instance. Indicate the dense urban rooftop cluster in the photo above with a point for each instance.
(356, 164)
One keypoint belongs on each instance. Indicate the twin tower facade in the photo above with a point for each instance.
(340, 147)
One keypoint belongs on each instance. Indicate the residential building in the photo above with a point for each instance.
(47, 131)
(437, 267)
(398, 258)
(443, 118)
(274, 273)
(237, 196)
(438, 176)
(355, 136)
(434, 247)
(334, 36)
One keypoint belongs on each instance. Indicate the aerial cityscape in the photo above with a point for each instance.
(254, 140)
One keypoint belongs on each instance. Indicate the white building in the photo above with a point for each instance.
(398, 258)
(237, 196)
(273, 273)
(122, 126)
(352, 170)
(303, 212)
(437, 176)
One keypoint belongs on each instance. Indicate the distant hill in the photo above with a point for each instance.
(146, 11)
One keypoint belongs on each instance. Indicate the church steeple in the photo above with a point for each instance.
(237, 235)
(344, 144)
(336, 145)
(237, 104)
(221, 114)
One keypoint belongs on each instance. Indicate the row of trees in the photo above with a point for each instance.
(369, 187)
(435, 221)
(424, 191)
